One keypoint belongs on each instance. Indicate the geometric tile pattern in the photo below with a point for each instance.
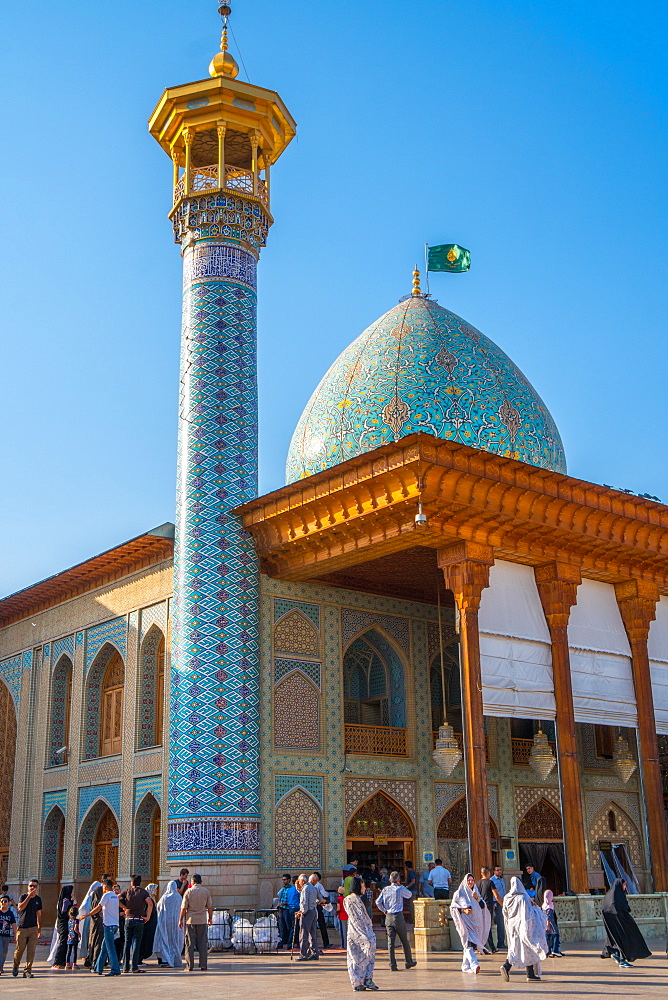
(144, 835)
(51, 841)
(358, 790)
(155, 615)
(152, 785)
(354, 621)
(115, 631)
(87, 836)
(296, 713)
(422, 368)
(282, 607)
(297, 832)
(60, 692)
(148, 684)
(296, 634)
(64, 645)
(625, 831)
(110, 793)
(10, 672)
(527, 796)
(283, 667)
(284, 783)
(52, 799)
(93, 694)
(214, 771)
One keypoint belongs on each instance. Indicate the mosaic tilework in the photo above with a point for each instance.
(448, 630)
(53, 825)
(60, 690)
(355, 621)
(627, 831)
(526, 797)
(153, 784)
(445, 793)
(422, 368)
(115, 631)
(296, 634)
(297, 832)
(52, 799)
(144, 836)
(284, 783)
(64, 645)
(214, 771)
(95, 676)
(357, 790)
(283, 667)
(10, 672)
(296, 714)
(86, 839)
(111, 794)
(148, 680)
(282, 607)
(395, 667)
(215, 216)
(155, 615)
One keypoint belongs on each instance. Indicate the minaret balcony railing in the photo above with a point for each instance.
(205, 179)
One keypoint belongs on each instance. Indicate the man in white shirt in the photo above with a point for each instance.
(109, 906)
(440, 878)
(426, 888)
(391, 903)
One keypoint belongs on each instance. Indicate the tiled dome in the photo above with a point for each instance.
(422, 368)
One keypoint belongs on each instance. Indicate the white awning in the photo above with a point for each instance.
(515, 653)
(657, 646)
(601, 674)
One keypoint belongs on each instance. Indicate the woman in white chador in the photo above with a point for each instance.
(472, 920)
(361, 944)
(526, 932)
(169, 937)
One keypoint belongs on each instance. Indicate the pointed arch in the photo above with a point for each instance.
(540, 823)
(7, 759)
(296, 713)
(369, 657)
(53, 841)
(454, 824)
(147, 854)
(295, 633)
(626, 831)
(297, 831)
(98, 841)
(453, 695)
(380, 814)
(61, 700)
(151, 699)
(107, 672)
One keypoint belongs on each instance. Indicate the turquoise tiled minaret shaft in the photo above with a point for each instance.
(223, 135)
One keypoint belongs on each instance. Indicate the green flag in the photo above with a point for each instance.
(448, 257)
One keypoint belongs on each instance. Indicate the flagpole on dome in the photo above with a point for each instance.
(426, 264)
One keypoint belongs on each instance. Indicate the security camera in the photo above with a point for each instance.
(420, 518)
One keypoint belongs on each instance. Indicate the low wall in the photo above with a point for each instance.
(579, 919)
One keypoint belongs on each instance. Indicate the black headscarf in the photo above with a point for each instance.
(541, 886)
(624, 937)
(65, 901)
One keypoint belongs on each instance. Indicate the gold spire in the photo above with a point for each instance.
(224, 63)
(416, 282)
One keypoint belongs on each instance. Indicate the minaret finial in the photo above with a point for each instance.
(224, 63)
(416, 283)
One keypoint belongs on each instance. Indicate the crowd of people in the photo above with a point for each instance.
(123, 928)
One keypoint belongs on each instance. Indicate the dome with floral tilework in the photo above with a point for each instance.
(422, 368)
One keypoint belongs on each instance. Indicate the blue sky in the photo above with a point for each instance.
(532, 133)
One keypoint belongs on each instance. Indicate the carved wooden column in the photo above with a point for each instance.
(557, 586)
(465, 567)
(637, 600)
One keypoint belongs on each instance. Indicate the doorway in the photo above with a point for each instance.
(105, 846)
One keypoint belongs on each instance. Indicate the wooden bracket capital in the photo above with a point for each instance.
(557, 588)
(466, 568)
(637, 601)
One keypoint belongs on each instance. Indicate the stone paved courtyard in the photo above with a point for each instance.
(239, 977)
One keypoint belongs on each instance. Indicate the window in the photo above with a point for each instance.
(111, 708)
(604, 737)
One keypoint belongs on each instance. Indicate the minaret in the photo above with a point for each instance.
(222, 136)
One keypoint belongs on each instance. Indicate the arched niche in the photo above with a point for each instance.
(7, 758)
(374, 682)
(103, 722)
(98, 842)
(151, 701)
(381, 831)
(147, 850)
(61, 700)
(295, 633)
(297, 832)
(296, 713)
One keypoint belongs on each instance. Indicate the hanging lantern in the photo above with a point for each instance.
(447, 753)
(623, 760)
(541, 758)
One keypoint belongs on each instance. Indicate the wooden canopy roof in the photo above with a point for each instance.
(354, 525)
(145, 550)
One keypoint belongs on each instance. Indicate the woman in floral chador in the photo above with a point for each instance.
(361, 946)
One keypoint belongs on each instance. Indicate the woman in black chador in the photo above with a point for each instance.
(625, 942)
(65, 901)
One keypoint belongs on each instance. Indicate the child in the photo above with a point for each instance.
(73, 937)
(7, 920)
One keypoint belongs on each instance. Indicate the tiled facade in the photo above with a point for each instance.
(309, 790)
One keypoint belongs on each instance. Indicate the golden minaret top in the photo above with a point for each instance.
(224, 63)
